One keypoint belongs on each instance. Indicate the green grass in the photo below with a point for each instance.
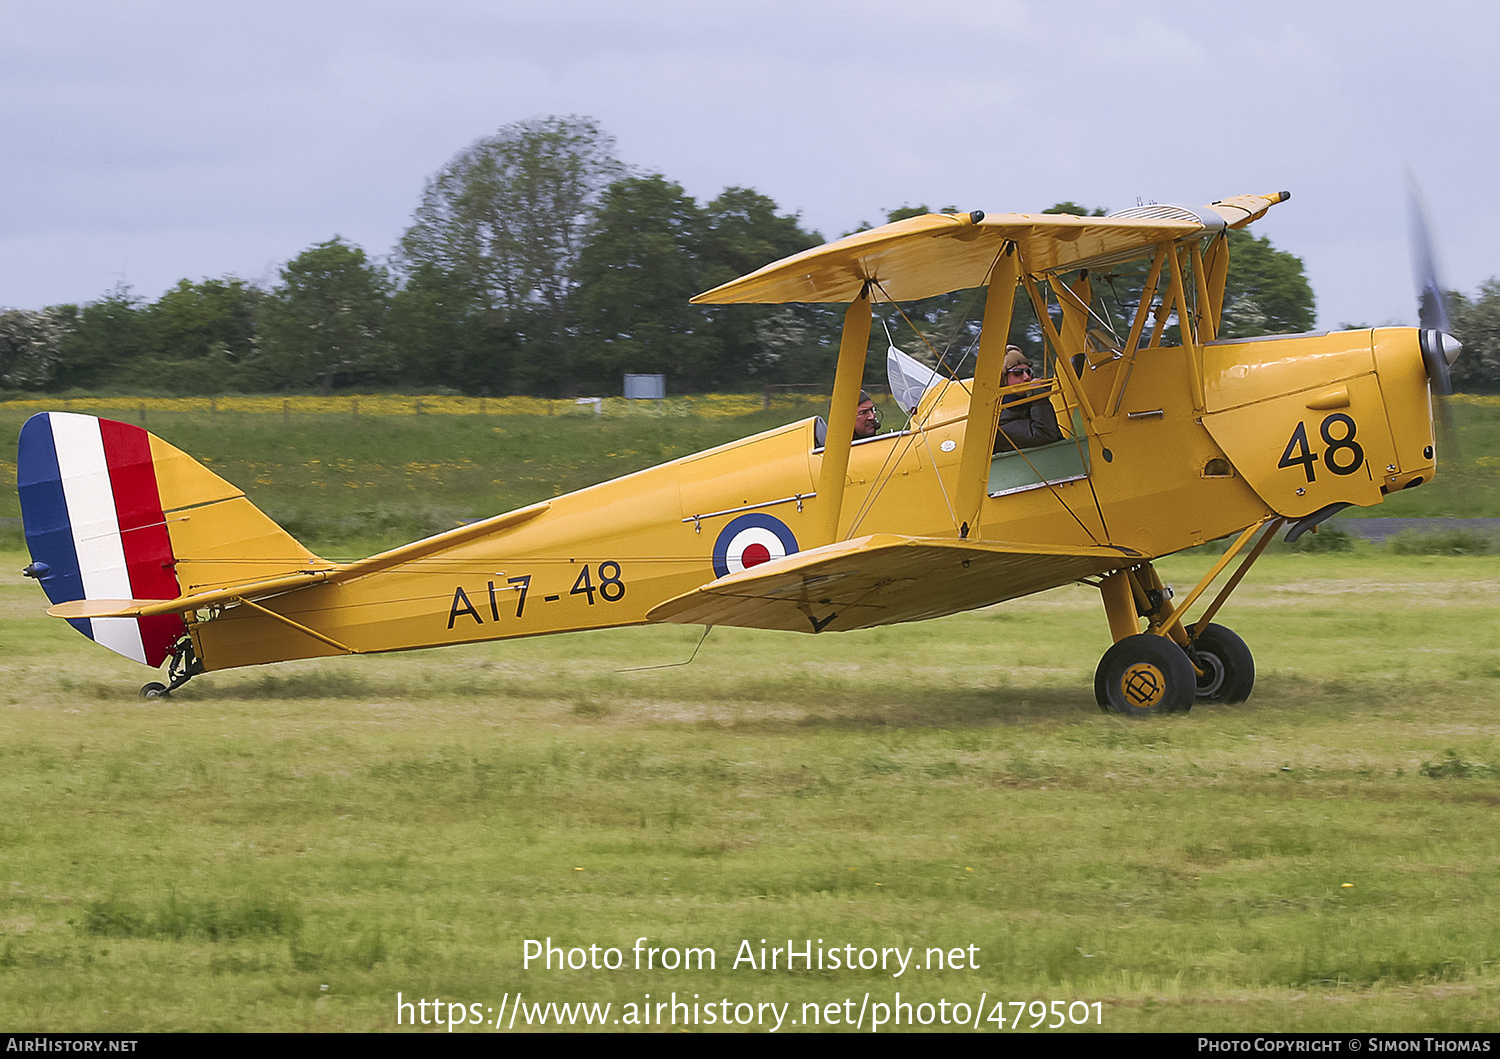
(1440, 542)
(1468, 477)
(287, 848)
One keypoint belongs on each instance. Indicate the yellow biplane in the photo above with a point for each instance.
(1170, 438)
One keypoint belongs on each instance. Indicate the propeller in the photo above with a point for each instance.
(1439, 348)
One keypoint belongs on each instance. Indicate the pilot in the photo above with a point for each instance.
(866, 417)
(1023, 426)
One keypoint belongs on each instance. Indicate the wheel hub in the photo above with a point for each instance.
(1143, 685)
(1211, 673)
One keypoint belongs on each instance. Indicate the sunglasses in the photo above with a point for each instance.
(1020, 369)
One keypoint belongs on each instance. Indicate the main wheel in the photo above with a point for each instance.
(154, 690)
(1145, 675)
(1228, 667)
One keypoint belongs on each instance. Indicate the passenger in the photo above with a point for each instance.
(1024, 426)
(866, 417)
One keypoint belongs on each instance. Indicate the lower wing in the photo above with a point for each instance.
(884, 579)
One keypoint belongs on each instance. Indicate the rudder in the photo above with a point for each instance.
(113, 512)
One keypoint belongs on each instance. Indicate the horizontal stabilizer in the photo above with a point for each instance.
(884, 579)
(146, 608)
(103, 608)
(259, 589)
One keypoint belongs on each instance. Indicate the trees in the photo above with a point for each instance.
(101, 338)
(193, 320)
(324, 322)
(199, 338)
(443, 335)
(757, 344)
(29, 347)
(1477, 325)
(1267, 292)
(1071, 207)
(744, 232)
(641, 265)
(651, 249)
(195, 338)
(507, 219)
(534, 264)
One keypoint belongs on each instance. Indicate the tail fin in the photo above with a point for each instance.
(113, 512)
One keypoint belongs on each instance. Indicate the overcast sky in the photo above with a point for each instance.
(146, 142)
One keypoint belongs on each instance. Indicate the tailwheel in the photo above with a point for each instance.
(184, 666)
(1145, 675)
(1227, 669)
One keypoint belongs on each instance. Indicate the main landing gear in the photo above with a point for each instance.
(183, 667)
(1171, 665)
(1148, 673)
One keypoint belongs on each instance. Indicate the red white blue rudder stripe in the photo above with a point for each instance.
(95, 526)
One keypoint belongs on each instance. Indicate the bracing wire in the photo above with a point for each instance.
(950, 377)
(672, 665)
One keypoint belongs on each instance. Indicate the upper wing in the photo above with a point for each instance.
(939, 252)
(883, 579)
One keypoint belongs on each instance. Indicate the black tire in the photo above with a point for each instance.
(1145, 675)
(1229, 668)
(154, 690)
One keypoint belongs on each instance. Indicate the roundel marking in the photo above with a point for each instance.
(751, 540)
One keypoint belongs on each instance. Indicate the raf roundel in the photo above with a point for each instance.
(751, 540)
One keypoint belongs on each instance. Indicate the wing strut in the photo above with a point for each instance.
(984, 398)
(846, 384)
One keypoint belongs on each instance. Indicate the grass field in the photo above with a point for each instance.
(291, 847)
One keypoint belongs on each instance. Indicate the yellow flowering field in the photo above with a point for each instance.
(706, 405)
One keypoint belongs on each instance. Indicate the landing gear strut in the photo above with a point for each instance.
(1172, 664)
(183, 667)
